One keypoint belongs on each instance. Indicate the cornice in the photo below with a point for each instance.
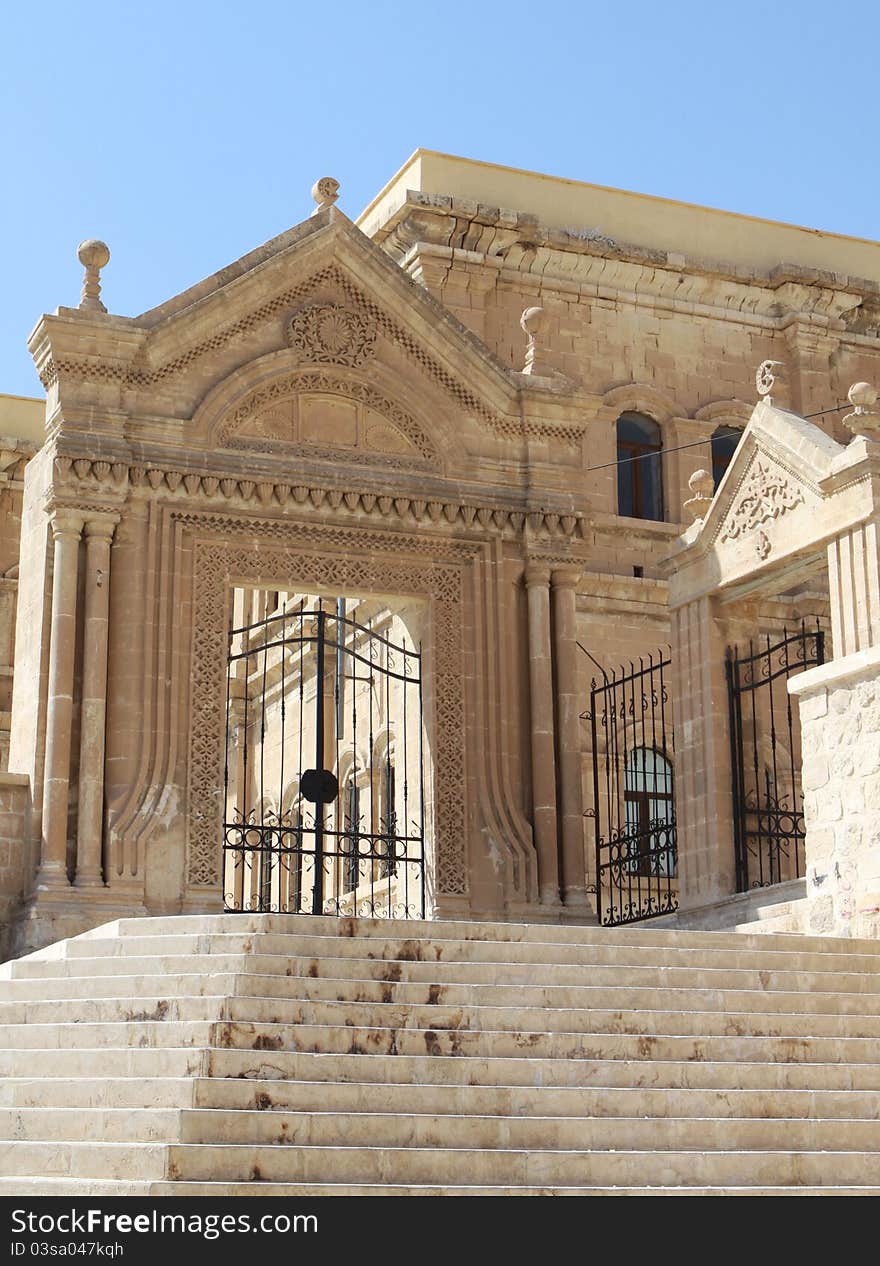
(79, 479)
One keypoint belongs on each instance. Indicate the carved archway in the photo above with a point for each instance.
(331, 560)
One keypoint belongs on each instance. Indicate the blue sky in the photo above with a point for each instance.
(185, 134)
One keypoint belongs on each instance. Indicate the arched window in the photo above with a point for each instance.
(724, 442)
(639, 467)
(647, 794)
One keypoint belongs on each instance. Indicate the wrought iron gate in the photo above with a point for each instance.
(768, 817)
(323, 783)
(633, 802)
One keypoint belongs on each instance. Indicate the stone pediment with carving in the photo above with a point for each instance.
(764, 511)
(323, 414)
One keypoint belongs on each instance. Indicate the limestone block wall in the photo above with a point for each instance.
(840, 722)
(16, 862)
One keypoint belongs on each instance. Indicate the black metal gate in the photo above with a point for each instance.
(768, 814)
(633, 801)
(323, 783)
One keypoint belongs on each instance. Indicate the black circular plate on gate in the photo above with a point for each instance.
(320, 786)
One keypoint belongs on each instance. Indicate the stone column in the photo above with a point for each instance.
(66, 531)
(703, 797)
(542, 744)
(89, 870)
(574, 882)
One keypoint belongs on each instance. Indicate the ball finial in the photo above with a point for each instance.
(93, 255)
(862, 396)
(864, 419)
(702, 485)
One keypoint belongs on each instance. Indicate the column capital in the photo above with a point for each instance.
(566, 577)
(66, 522)
(536, 574)
(101, 526)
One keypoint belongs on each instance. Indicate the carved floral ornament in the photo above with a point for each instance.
(766, 494)
(327, 333)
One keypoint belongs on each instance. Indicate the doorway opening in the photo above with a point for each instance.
(324, 775)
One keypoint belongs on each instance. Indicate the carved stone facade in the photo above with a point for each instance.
(345, 410)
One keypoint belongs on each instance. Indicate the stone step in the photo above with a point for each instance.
(109, 1092)
(465, 929)
(619, 975)
(470, 1130)
(436, 948)
(397, 1015)
(107, 1062)
(531, 1071)
(364, 1039)
(86, 1160)
(395, 1129)
(85, 1036)
(510, 1167)
(191, 984)
(500, 1100)
(118, 1010)
(782, 924)
(240, 1163)
(218, 1190)
(342, 1038)
(141, 992)
(97, 1125)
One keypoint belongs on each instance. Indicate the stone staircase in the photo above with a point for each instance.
(265, 1054)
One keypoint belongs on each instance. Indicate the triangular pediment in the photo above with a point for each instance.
(767, 501)
(320, 300)
(335, 299)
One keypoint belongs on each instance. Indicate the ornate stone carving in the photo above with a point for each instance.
(770, 375)
(332, 559)
(264, 421)
(766, 494)
(325, 192)
(328, 334)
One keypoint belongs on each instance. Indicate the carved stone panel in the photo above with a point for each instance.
(327, 333)
(318, 412)
(762, 517)
(335, 560)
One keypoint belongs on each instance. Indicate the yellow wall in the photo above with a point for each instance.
(634, 218)
(22, 418)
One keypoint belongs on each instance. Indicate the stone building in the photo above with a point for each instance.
(474, 415)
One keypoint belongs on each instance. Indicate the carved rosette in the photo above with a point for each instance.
(328, 334)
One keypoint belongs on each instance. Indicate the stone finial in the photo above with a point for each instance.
(864, 419)
(325, 192)
(93, 255)
(702, 485)
(770, 376)
(533, 322)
